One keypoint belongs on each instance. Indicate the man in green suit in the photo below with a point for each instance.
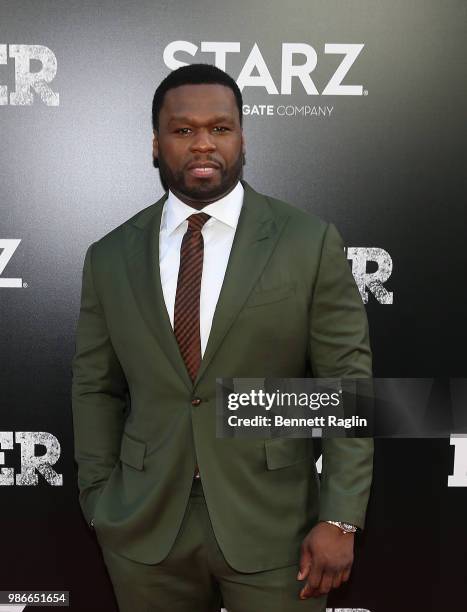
(214, 280)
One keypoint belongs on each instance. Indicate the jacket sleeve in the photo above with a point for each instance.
(339, 347)
(99, 391)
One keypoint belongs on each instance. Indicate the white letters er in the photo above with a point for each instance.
(25, 79)
(30, 462)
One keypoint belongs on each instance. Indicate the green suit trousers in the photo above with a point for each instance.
(195, 577)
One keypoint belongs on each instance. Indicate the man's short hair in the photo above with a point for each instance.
(194, 74)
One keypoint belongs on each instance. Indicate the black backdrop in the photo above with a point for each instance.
(387, 166)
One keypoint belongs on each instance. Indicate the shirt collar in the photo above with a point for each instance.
(227, 209)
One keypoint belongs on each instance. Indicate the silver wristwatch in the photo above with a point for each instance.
(344, 527)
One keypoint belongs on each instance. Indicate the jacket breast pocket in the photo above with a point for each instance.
(283, 452)
(132, 452)
(269, 296)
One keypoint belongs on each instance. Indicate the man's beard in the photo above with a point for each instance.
(203, 191)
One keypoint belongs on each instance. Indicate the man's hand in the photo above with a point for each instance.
(325, 560)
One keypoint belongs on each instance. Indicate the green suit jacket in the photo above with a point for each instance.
(289, 305)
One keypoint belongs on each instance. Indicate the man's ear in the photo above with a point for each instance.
(243, 148)
(155, 143)
(155, 149)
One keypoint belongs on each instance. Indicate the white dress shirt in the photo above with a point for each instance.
(218, 234)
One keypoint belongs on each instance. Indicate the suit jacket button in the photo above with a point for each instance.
(196, 401)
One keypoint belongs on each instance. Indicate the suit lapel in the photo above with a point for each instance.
(256, 236)
(142, 256)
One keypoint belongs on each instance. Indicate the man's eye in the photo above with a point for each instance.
(220, 128)
(183, 131)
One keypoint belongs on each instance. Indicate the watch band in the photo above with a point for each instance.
(344, 527)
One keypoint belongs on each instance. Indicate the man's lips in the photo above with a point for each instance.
(203, 169)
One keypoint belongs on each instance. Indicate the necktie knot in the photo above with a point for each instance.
(196, 221)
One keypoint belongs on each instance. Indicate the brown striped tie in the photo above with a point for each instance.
(186, 314)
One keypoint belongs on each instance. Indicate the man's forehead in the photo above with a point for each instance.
(196, 98)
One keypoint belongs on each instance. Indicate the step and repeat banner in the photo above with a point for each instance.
(353, 110)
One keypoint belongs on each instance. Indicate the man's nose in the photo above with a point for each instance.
(203, 141)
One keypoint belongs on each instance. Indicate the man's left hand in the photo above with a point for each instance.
(325, 560)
